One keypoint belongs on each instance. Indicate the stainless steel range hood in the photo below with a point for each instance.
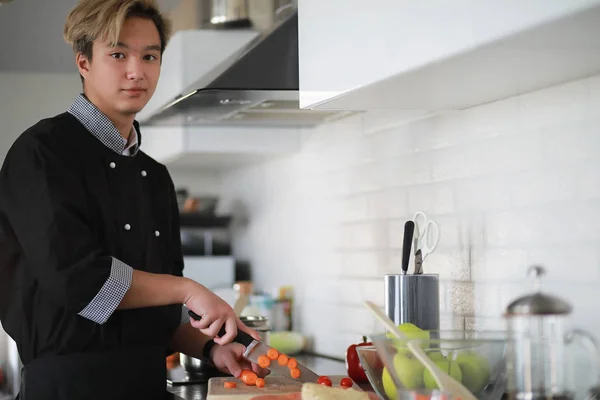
(257, 87)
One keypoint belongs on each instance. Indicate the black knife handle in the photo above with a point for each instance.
(409, 230)
(242, 337)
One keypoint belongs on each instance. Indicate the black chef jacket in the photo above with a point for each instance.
(69, 206)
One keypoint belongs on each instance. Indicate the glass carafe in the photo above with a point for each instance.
(539, 360)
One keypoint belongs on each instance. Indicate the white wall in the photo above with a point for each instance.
(27, 98)
(511, 184)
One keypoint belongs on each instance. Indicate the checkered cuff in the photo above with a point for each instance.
(185, 317)
(110, 295)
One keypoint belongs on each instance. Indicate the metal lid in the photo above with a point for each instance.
(538, 303)
(255, 321)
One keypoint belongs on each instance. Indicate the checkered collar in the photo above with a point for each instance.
(101, 127)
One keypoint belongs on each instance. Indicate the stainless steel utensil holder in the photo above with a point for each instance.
(414, 299)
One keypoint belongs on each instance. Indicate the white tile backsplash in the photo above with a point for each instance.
(511, 184)
(554, 105)
(364, 264)
(540, 186)
(455, 163)
(479, 193)
(432, 199)
(391, 203)
(560, 144)
(438, 132)
(392, 142)
(493, 119)
(412, 169)
(368, 235)
(373, 290)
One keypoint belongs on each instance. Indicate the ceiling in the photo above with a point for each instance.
(31, 35)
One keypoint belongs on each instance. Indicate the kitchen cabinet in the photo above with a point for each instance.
(438, 54)
(217, 147)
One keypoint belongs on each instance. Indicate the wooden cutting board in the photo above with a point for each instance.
(273, 385)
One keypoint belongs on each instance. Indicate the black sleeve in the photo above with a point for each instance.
(45, 203)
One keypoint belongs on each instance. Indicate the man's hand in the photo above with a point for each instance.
(228, 359)
(214, 313)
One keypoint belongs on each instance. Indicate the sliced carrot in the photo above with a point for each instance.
(264, 361)
(292, 363)
(248, 377)
(273, 354)
(283, 359)
(295, 373)
(229, 385)
(260, 382)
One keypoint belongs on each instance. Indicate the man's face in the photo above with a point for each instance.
(122, 79)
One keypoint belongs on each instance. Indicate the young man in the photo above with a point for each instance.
(91, 276)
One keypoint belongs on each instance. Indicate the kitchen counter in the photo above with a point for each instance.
(321, 365)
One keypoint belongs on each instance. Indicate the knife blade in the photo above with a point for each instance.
(256, 348)
(418, 263)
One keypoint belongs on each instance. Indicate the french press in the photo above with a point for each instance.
(540, 364)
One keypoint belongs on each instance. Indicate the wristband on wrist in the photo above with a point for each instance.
(207, 348)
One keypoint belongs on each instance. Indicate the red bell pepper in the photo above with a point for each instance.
(353, 365)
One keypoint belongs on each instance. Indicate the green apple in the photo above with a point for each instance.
(449, 367)
(388, 384)
(410, 373)
(409, 327)
(412, 332)
(436, 356)
(476, 370)
(409, 370)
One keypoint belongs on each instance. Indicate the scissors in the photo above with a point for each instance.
(425, 239)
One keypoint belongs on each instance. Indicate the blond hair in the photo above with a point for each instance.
(102, 19)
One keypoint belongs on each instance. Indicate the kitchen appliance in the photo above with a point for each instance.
(229, 13)
(204, 233)
(206, 205)
(190, 371)
(540, 358)
(414, 299)
(256, 85)
(255, 349)
(260, 324)
(205, 242)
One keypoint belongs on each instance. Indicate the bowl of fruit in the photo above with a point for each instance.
(474, 358)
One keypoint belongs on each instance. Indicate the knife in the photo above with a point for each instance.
(256, 348)
(409, 228)
(418, 263)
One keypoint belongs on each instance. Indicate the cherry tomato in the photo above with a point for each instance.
(324, 380)
(346, 382)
